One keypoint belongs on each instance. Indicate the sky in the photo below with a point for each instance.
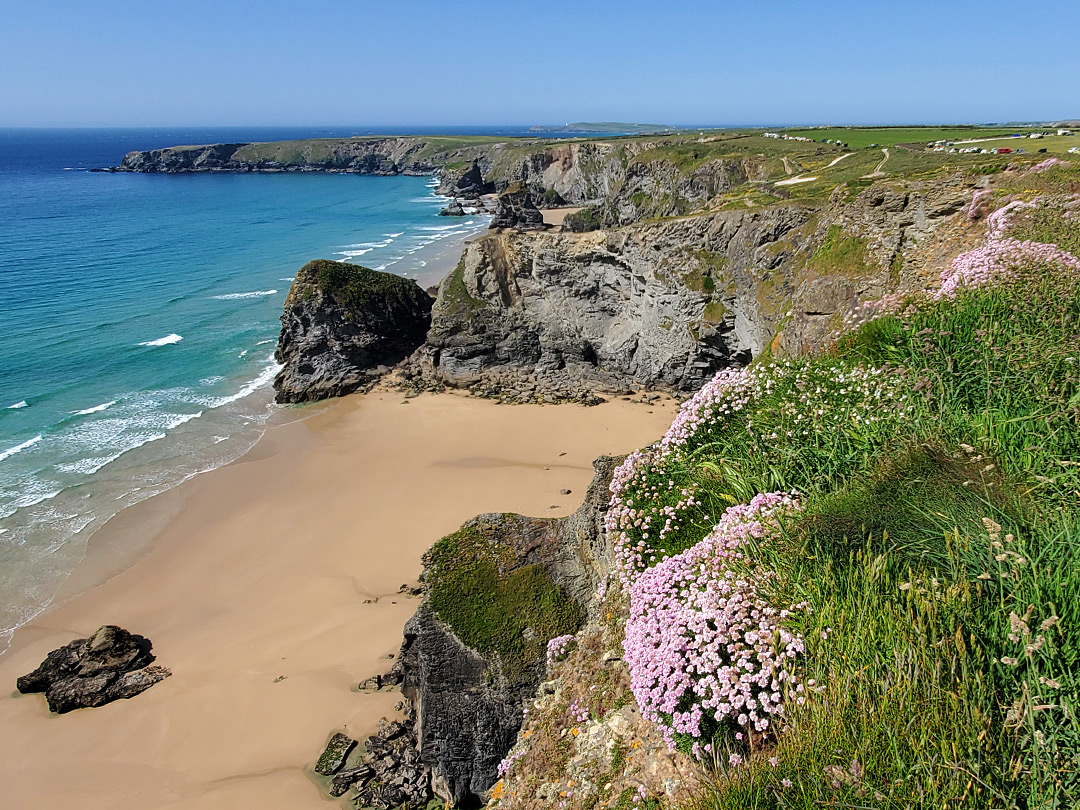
(358, 62)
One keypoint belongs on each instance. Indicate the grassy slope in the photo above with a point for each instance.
(939, 549)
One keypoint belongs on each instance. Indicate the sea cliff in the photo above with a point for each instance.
(838, 341)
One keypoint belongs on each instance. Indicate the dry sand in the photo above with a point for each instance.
(556, 216)
(252, 583)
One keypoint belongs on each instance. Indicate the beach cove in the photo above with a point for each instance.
(270, 588)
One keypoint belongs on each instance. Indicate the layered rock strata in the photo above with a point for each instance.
(559, 316)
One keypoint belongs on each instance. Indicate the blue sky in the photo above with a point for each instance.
(356, 62)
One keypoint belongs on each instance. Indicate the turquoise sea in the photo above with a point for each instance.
(139, 315)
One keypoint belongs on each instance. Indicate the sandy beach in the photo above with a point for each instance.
(269, 588)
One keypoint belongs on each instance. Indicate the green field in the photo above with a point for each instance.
(861, 137)
(1053, 144)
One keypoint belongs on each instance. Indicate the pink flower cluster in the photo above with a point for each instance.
(980, 201)
(558, 647)
(1000, 260)
(1049, 163)
(508, 763)
(648, 505)
(997, 224)
(701, 643)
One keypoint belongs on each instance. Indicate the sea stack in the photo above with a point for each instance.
(343, 326)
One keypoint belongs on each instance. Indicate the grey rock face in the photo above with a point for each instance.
(112, 664)
(343, 325)
(662, 305)
(666, 304)
(454, 209)
(517, 209)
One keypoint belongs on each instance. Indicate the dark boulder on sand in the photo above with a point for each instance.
(343, 326)
(112, 664)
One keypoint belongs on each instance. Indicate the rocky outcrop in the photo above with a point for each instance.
(517, 209)
(469, 704)
(379, 156)
(112, 664)
(464, 704)
(663, 305)
(343, 326)
(454, 209)
(556, 315)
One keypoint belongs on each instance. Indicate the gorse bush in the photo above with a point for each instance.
(902, 629)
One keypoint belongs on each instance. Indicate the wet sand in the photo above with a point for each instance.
(268, 587)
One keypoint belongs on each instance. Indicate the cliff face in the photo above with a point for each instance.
(654, 305)
(380, 156)
(666, 304)
(469, 701)
(342, 326)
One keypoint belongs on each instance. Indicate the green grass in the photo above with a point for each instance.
(356, 287)
(502, 612)
(938, 549)
(845, 255)
(863, 137)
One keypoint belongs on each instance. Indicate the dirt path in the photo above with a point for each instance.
(837, 160)
(877, 172)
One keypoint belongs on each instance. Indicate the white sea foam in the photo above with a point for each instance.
(20, 404)
(368, 245)
(164, 341)
(438, 227)
(180, 419)
(395, 235)
(19, 447)
(95, 409)
(238, 296)
(264, 342)
(289, 278)
(32, 498)
(243, 353)
(89, 466)
(264, 378)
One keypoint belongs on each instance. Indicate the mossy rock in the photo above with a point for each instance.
(500, 609)
(357, 288)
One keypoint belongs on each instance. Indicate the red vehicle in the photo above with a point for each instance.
(1004, 151)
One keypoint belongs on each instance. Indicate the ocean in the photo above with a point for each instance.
(139, 315)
